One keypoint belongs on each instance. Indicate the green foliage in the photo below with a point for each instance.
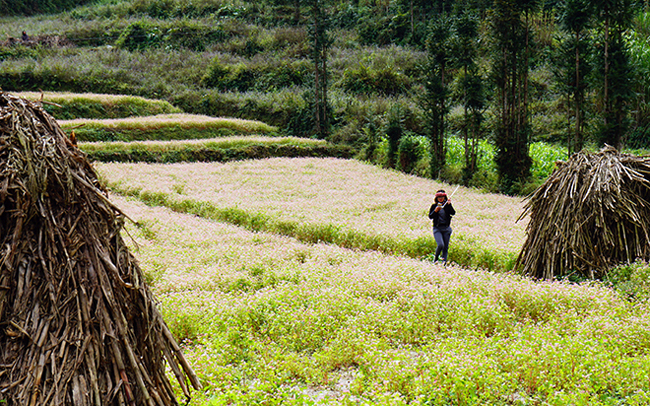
(63, 75)
(139, 36)
(19, 51)
(614, 69)
(383, 29)
(244, 77)
(164, 128)
(387, 81)
(639, 136)
(320, 41)
(544, 157)
(435, 103)
(33, 7)
(275, 108)
(631, 280)
(512, 42)
(145, 34)
(411, 150)
(212, 151)
(75, 105)
(573, 67)
(159, 9)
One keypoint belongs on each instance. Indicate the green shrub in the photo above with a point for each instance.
(545, 156)
(631, 280)
(292, 41)
(411, 149)
(32, 7)
(275, 108)
(192, 35)
(387, 81)
(61, 75)
(144, 34)
(639, 137)
(139, 36)
(266, 77)
(19, 51)
(94, 33)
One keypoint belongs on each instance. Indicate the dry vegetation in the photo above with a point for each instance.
(79, 325)
(591, 214)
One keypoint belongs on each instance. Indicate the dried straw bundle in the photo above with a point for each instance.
(78, 325)
(592, 212)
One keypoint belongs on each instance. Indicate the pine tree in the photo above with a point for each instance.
(319, 45)
(469, 91)
(573, 66)
(511, 54)
(614, 18)
(435, 102)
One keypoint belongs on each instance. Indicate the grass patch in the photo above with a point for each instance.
(467, 254)
(383, 208)
(98, 106)
(260, 313)
(213, 150)
(163, 127)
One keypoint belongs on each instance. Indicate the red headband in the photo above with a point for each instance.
(441, 194)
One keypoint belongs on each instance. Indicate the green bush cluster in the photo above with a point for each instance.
(160, 9)
(274, 108)
(267, 77)
(59, 76)
(32, 7)
(141, 35)
(386, 81)
(411, 150)
(380, 29)
(19, 51)
(631, 280)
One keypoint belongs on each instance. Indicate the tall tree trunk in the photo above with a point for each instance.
(578, 99)
(318, 127)
(606, 101)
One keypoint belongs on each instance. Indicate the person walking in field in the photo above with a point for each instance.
(441, 212)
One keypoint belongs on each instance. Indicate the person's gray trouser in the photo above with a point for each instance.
(442, 235)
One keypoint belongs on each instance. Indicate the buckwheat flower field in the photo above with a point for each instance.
(342, 195)
(268, 320)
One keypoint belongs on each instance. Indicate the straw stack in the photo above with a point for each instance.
(592, 213)
(78, 325)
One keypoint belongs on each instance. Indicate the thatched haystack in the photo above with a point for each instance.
(592, 213)
(78, 325)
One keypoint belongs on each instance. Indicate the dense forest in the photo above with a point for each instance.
(396, 79)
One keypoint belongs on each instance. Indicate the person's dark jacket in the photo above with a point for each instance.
(443, 217)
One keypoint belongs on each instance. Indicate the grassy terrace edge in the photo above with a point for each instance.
(213, 150)
(68, 105)
(163, 127)
(466, 252)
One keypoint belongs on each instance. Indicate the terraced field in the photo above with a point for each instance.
(271, 314)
